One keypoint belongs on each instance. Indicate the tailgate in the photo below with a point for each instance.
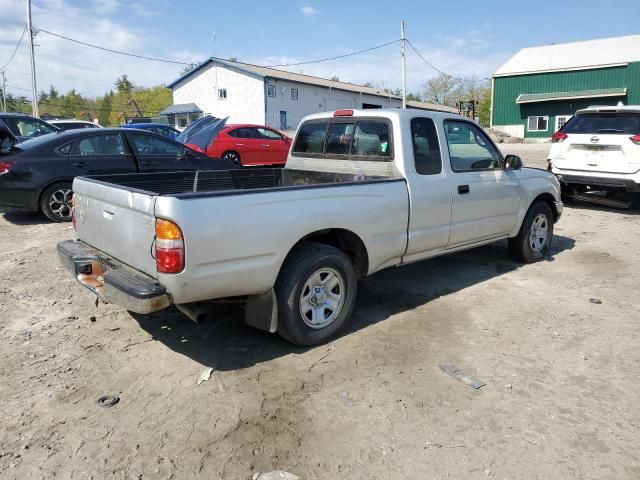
(117, 221)
(600, 153)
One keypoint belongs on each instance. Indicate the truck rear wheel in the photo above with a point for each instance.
(534, 239)
(316, 292)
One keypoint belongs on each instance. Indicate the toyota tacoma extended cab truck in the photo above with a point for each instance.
(361, 191)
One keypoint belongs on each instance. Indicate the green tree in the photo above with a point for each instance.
(105, 105)
(123, 84)
(484, 108)
(53, 93)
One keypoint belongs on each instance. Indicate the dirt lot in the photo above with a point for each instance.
(561, 372)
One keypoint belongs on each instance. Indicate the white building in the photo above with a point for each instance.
(251, 94)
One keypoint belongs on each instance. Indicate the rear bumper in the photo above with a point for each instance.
(111, 280)
(611, 182)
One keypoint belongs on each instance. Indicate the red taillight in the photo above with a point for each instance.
(73, 211)
(343, 113)
(635, 139)
(6, 166)
(559, 137)
(169, 247)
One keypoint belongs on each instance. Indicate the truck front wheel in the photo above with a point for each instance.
(316, 292)
(534, 239)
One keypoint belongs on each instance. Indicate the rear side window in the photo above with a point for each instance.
(65, 149)
(101, 145)
(149, 145)
(360, 139)
(608, 123)
(426, 149)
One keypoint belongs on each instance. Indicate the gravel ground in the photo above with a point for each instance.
(561, 372)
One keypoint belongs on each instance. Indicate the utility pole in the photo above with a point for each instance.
(4, 93)
(34, 90)
(213, 51)
(404, 67)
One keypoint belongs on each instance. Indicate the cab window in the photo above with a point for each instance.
(469, 148)
(426, 149)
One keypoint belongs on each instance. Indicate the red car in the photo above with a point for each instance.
(242, 143)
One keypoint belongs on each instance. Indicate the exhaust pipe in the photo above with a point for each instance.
(192, 311)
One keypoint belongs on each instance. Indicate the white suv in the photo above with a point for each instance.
(598, 149)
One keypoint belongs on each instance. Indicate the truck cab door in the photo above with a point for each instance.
(486, 197)
(429, 192)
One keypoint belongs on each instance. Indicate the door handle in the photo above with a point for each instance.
(80, 164)
(146, 162)
(463, 189)
(266, 145)
(239, 144)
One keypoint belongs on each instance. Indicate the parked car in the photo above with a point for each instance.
(37, 174)
(598, 150)
(361, 191)
(24, 127)
(160, 129)
(243, 144)
(73, 124)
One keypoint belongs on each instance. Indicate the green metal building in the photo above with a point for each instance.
(539, 88)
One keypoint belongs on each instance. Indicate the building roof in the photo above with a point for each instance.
(590, 54)
(181, 108)
(547, 97)
(267, 72)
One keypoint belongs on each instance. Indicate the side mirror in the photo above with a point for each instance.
(512, 162)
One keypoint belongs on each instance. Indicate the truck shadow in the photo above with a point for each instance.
(225, 343)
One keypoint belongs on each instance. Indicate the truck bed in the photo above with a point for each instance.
(226, 182)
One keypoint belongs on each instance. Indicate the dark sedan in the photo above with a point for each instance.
(36, 175)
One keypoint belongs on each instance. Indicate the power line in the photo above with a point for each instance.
(440, 71)
(155, 59)
(332, 58)
(15, 49)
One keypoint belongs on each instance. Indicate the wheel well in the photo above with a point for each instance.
(549, 200)
(346, 241)
(41, 194)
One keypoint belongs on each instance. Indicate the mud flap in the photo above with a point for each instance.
(261, 311)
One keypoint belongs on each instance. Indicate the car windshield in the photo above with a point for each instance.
(29, 127)
(601, 122)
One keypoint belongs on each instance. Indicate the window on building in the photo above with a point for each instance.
(294, 94)
(222, 93)
(538, 124)
(561, 120)
(271, 90)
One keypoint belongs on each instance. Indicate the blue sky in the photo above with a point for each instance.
(463, 38)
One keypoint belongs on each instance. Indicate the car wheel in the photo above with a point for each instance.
(536, 233)
(232, 157)
(55, 202)
(316, 291)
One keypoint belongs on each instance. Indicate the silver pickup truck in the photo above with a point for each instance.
(361, 191)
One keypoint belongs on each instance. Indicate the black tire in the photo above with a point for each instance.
(232, 157)
(55, 202)
(307, 261)
(566, 193)
(521, 247)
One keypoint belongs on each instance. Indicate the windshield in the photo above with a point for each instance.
(29, 127)
(615, 122)
(202, 132)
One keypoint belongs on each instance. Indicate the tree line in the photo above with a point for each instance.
(110, 109)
